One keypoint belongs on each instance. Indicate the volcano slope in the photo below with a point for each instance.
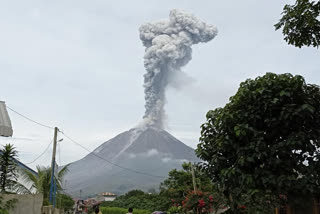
(149, 150)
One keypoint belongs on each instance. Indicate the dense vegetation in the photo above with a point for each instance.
(179, 183)
(264, 143)
(138, 199)
(174, 192)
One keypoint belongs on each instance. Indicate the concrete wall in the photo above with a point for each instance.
(27, 204)
(51, 210)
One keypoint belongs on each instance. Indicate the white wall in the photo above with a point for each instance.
(109, 198)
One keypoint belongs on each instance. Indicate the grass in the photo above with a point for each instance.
(117, 210)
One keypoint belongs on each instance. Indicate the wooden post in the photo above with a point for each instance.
(193, 178)
(53, 163)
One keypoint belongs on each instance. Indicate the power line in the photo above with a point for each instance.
(114, 164)
(49, 127)
(40, 154)
(40, 124)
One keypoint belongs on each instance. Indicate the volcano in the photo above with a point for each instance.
(149, 153)
(142, 157)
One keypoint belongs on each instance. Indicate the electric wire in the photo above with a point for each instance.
(114, 164)
(41, 153)
(75, 142)
(40, 124)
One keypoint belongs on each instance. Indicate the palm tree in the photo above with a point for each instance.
(42, 181)
(8, 172)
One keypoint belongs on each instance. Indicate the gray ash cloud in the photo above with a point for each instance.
(168, 48)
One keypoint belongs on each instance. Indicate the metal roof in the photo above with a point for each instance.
(23, 166)
(5, 123)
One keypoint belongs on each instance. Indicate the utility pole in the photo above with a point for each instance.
(53, 164)
(193, 179)
(194, 182)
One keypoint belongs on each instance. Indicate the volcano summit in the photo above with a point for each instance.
(142, 157)
(150, 150)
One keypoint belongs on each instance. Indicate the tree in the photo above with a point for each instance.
(179, 187)
(8, 173)
(138, 199)
(200, 202)
(265, 142)
(64, 202)
(179, 183)
(301, 23)
(42, 181)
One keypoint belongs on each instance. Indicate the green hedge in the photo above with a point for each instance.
(3, 211)
(117, 210)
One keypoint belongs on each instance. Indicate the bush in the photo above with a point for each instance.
(117, 210)
(175, 209)
(140, 200)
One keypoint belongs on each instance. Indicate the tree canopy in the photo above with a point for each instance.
(265, 142)
(8, 172)
(179, 183)
(300, 23)
(138, 199)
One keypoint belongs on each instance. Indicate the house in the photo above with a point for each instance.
(107, 196)
(20, 168)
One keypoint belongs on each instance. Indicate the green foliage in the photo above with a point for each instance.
(301, 23)
(64, 202)
(179, 183)
(8, 174)
(42, 181)
(3, 211)
(175, 209)
(137, 199)
(200, 202)
(117, 210)
(264, 142)
(134, 193)
(8, 171)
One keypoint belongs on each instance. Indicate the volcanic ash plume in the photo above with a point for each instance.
(168, 48)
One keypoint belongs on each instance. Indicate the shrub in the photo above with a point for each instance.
(140, 200)
(201, 202)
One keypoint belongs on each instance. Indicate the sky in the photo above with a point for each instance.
(78, 65)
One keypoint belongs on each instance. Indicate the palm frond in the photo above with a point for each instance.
(63, 171)
(20, 188)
